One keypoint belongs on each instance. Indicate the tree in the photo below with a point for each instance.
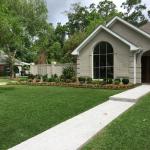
(107, 9)
(60, 33)
(77, 18)
(21, 21)
(42, 43)
(55, 53)
(11, 33)
(134, 12)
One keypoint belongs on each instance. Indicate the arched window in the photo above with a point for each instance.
(103, 61)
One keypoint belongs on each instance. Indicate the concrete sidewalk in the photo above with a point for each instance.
(132, 95)
(73, 133)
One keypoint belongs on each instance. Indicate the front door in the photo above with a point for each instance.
(146, 69)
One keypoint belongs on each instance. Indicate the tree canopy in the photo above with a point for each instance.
(21, 22)
(134, 12)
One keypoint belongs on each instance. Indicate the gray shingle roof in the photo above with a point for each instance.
(146, 28)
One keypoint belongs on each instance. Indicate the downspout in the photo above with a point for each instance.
(135, 65)
(92, 66)
(135, 54)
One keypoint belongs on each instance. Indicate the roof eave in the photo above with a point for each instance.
(76, 51)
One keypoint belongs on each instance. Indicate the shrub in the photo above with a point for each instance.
(23, 78)
(117, 81)
(109, 81)
(97, 82)
(89, 80)
(68, 72)
(38, 76)
(125, 81)
(73, 79)
(82, 79)
(62, 79)
(29, 80)
(50, 80)
(55, 78)
(45, 78)
(31, 76)
(68, 80)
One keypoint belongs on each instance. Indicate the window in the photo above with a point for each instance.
(103, 61)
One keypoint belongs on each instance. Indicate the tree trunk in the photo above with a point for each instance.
(12, 73)
(11, 57)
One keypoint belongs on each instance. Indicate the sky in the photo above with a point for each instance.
(56, 8)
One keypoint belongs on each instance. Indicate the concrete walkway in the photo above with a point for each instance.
(132, 95)
(73, 133)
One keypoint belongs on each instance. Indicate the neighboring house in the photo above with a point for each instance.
(4, 67)
(117, 50)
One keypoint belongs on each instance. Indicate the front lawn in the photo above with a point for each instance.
(131, 131)
(5, 79)
(26, 111)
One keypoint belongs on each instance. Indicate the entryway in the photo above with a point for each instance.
(146, 67)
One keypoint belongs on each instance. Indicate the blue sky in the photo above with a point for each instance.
(56, 8)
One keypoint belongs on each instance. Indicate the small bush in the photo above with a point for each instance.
(97, 82)
(117, 81)
(62, 79)
(55, 78)
(68, 72)
(50, 80)
(73, 79)
(45, 78)
(125, 81)
(31, 76)
(23, 78)
(109, 81)
(82, 79)
(89, 80)
(68, 81)
(38, 77)
(30, 80)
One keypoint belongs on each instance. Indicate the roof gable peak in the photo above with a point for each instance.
(110, 23)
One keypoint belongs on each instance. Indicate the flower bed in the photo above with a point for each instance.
(68, 79)
(76, 85)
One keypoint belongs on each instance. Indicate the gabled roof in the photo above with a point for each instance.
(128, 24)
(146, 28)
(93, 34)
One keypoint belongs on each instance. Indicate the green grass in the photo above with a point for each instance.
(131, 131)
(26, 111)
(5, 79)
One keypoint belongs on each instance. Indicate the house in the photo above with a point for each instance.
(4, 67)
(117, 50)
